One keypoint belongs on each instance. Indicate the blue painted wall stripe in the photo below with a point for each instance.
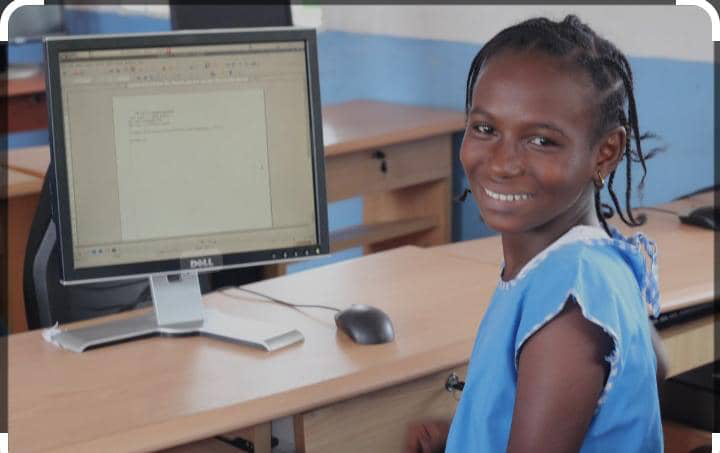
(674, 100)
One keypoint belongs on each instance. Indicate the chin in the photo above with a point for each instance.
(504, 223)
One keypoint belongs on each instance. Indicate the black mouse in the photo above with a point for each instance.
(365, 324)
(706, 217)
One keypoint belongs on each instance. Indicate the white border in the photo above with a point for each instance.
(5, 18)
(710, 10)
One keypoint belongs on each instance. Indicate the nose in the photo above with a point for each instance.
(504, 161)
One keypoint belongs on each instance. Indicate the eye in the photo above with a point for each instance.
(541, 141)
(483, 129)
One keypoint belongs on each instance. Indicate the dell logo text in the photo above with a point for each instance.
(201, 262)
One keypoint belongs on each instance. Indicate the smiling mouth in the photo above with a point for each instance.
(509, 197)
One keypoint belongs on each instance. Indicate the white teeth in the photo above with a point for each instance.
(507, 197)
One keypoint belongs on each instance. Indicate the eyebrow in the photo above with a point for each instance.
(479, 111)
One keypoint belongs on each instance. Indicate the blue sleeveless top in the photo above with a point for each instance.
(609, 280)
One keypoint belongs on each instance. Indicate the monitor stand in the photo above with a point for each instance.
(179, 311)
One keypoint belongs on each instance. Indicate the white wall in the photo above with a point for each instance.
(303, 15)
(157, 10)
(676, 32)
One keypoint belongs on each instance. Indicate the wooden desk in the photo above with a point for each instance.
(161, 392)
(686, 273)
(408, 203)
(26, 104)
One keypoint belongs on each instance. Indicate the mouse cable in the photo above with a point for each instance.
(272, 299)
(652, 208)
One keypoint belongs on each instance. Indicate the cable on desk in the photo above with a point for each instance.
(652, 208)
(277, 301)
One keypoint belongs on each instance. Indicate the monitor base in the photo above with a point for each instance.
(179, 312)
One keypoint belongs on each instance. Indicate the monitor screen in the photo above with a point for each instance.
(190, 150)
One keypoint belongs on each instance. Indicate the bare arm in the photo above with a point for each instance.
(561, 374)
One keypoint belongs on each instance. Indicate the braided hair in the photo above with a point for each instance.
(611, 76)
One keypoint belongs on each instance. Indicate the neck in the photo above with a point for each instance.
(520, 248)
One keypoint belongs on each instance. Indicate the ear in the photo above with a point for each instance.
(611, 148)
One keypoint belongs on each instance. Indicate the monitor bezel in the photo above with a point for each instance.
(60, 201)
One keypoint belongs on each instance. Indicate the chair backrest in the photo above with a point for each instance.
(273, 14)
(46, 300)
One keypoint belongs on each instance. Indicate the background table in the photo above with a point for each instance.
(26, 103)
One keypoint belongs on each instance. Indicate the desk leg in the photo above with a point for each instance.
(21, 211)
(263, 438)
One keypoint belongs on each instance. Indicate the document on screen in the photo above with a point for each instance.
(192, 163)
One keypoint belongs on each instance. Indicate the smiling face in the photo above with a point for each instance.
(526, 149)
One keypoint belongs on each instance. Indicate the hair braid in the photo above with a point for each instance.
(598, 210)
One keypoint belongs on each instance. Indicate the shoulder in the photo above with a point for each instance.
(594, 275)
(581, 248)
(582, 266)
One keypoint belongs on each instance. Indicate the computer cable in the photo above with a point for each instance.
(652, 208)
(272, 299)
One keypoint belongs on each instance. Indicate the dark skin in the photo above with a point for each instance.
(528, 136)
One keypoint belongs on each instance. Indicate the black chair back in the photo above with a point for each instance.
(46, 300)
(185, 17)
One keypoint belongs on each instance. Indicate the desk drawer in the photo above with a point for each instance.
(388, 168)
(376, 422)
(27, 112)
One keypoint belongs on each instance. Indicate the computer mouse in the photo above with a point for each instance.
(365, 324)
(705, 217)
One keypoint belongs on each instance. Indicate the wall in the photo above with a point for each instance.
(420, 55)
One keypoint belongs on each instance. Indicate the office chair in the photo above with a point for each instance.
(184, 16)
(46, 300)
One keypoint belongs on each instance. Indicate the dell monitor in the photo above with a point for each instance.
(184, 152)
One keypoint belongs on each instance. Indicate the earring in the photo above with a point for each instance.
(600, 181)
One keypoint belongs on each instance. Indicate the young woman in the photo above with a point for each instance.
(563, 360)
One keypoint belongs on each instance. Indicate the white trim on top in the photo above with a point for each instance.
(652, 31)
